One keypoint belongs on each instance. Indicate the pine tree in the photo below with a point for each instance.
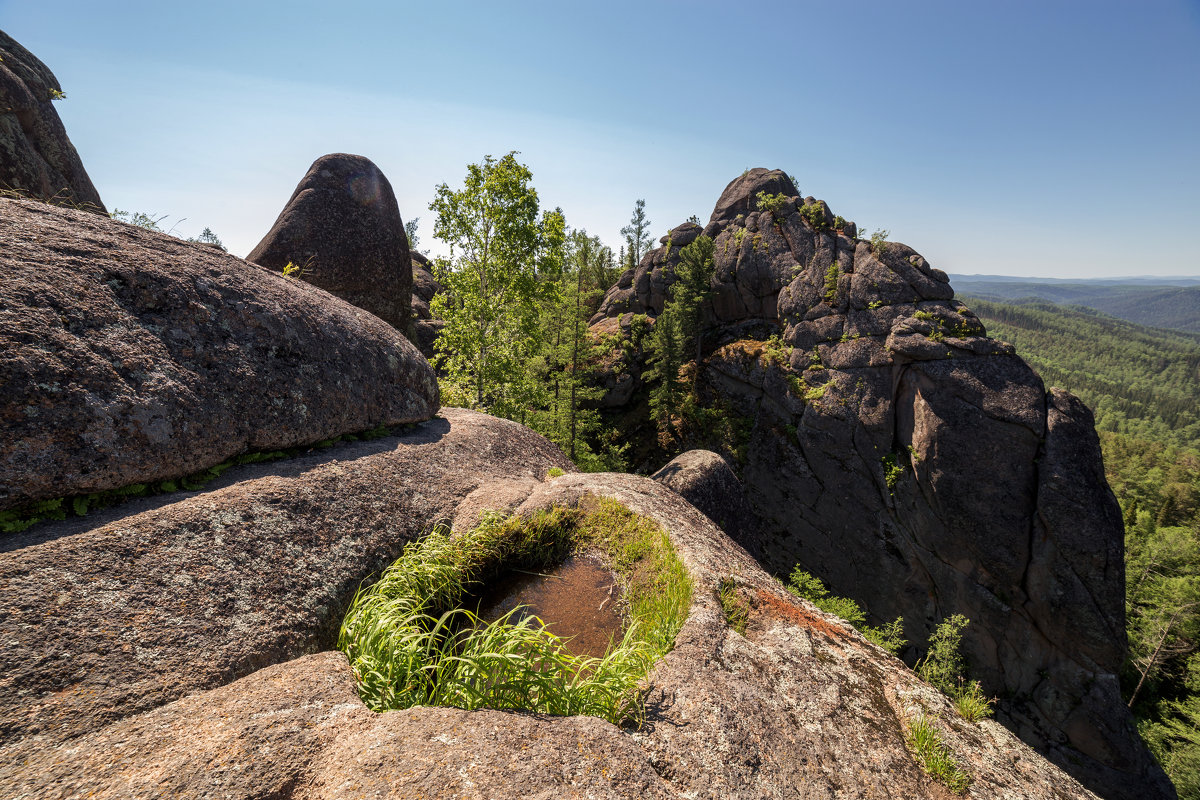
(677, 335)
(637, 234)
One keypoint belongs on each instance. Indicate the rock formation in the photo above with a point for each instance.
(129, 356)
(706, 481)
(425, 326)
(182, 650)
(36, 157)
(913, 463)
(342, 230)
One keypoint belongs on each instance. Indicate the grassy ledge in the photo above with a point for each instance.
(933, 756)
(410, 643)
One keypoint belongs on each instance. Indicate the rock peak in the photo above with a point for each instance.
(343, 229)
(741, 195)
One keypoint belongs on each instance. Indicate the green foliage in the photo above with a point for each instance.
(879, 241)
(889, 636)
(839, 222)
(943, 664)
(737, 610)
(677, 336)
(637, 234)
(139, 219)
(773, 203)
(775, 351)
(831, 282)
(943, 667)
(1138, 381)
(208, 237)
(563, 395)
(554, 472)
(56, 94)
(893, 470)
(1173, 735)
(499, 250)
(814, 214)
(933, 756)
(970, 701)
(409, 642)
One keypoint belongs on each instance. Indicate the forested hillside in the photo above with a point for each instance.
(1174, 304)
(1144, 386)
(1138, 381)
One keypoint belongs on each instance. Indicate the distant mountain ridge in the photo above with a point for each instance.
(1155, 302)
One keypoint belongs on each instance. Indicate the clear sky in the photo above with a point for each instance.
(1020, 138)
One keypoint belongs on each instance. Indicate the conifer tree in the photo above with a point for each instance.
(637, 234)
(677, 336)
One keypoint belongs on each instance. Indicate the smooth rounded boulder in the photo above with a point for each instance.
(129, 356)
(342, 231)
(36, 156)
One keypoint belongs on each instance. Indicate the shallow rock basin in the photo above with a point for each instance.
(576, 599)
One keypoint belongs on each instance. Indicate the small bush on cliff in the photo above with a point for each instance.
(772, 203)
(410, 643)
(943, 667)
(815, 216)
(890, 636)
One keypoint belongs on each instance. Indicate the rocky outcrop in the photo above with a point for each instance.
(189, 671)
(120, 612)
(37, 158)
(128, 356)
(706, 480)
(426, 327)
(342, 230)
(914, 464)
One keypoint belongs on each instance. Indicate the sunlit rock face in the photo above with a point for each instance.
(129, 356)
(342, 231)
(37, 158)
(911, 462)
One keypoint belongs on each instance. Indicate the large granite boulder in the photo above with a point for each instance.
(37, 158)
(706, 480)
(914, 464)
(129, 356)
(182, 651)
(342, 230)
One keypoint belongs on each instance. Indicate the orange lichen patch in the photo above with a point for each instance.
(774, 606)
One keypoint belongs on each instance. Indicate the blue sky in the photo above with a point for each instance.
(1022, 138)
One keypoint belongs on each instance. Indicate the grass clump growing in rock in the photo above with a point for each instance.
(737, 610)
(890, 636)
(943, 668)
(933, 756)
(411, 643)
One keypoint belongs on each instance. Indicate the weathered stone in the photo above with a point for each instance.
(342, 228)
(111, 615)
(800, 700)
(706, 481)
(895, 454)
(129, 356)
(36, 156)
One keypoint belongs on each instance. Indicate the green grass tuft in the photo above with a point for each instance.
(933, 756)
(409, 642)
(737, 611)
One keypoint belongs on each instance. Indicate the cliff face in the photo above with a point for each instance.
(915, 464)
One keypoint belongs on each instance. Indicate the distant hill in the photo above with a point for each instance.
(1140, 381)
(1157, 302)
